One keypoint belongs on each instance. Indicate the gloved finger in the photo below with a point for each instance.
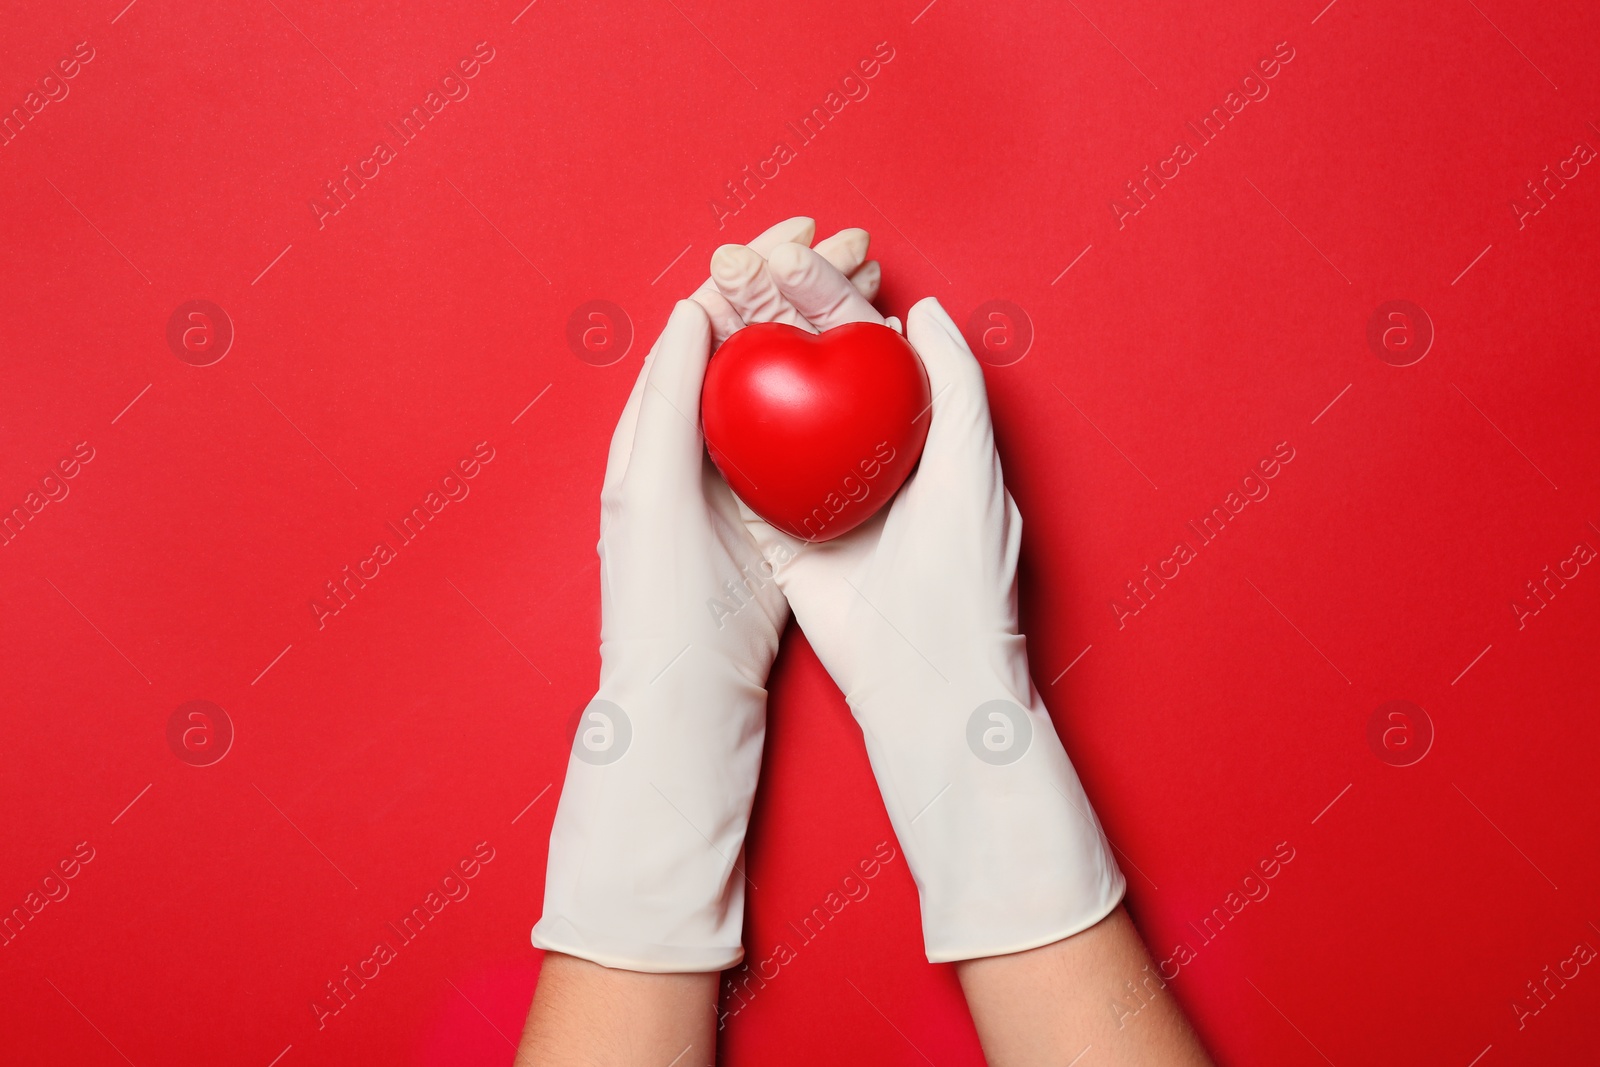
(742, 276)
(666, 443)
(622, 437)
(725, 321)
(868, 278)
(816, 289)
(846, 250)
(800, 230)
(961, 423)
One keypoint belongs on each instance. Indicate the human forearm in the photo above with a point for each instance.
(1049, 1004)
(586, 1015)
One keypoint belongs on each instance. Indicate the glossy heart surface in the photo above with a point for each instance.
(816, 432)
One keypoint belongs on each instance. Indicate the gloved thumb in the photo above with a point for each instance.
(667, 444)
(960, 402)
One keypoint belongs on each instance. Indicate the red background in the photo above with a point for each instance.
(371, 354)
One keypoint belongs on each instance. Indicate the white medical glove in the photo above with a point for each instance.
(914, 614)
(644, 870)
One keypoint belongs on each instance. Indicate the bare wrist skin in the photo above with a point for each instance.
(586, 1015)
(1051, 1004)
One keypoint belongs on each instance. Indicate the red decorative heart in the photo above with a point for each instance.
(815, 432)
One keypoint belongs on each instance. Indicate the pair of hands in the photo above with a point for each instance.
(913, 614)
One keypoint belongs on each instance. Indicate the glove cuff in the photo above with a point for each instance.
(646, 851)
(1003, 843)
(557, 934)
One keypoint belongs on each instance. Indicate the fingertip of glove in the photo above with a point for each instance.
(845, 249)
(927, 307)
(689, 314)
(804, 229)
(801, 229)
(732, 264)
(928, 315)
(789, 261)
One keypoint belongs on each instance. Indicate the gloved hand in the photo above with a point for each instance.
(914, 614)
(845, 251)
(645, 852)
